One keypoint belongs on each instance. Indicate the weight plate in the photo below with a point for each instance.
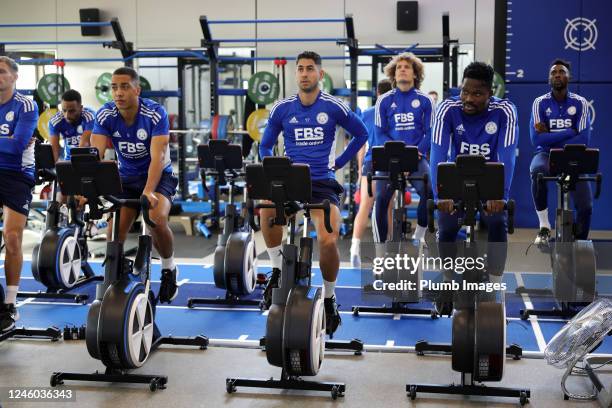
(51, 87)
(145, 85)
(499, 86)
(256, 123)
(327, 84)
(43, 122)
(263, 88)
(103, 88)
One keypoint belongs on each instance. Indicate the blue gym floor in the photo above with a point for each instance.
(246, 324)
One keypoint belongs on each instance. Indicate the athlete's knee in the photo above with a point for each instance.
(12, 241)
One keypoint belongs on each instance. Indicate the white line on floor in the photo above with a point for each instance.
(537, 331)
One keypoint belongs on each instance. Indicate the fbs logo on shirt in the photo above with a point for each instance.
(5, 129)
(308, 134)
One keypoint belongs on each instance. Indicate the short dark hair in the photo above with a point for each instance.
(10, 63)
(72, 95)
(309, 55)
(384, 86)
(480, 71)
(433, 92)
(131, 72)
(559, 61)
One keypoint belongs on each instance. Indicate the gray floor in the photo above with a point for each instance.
(197, 379)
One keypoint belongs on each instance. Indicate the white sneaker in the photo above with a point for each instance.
(419, 234)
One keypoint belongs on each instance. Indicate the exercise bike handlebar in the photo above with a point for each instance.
(142, 202)
(293, 208)
(371, 177)
(560, 178)
(509, 206)
(251, 211)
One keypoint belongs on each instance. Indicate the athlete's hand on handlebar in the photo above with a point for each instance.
(446, 206)
(152, 198)
(495, 206)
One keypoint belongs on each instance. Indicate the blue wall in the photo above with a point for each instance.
(538, 32)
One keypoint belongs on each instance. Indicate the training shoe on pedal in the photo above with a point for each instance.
(332, 316)
(542, 237)
(8, 317)
(168, 290)
(267, 294)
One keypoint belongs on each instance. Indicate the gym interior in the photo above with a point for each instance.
(330, 203)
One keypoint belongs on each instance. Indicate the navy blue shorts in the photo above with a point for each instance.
(328, 189)
(16, 191)
(133, 186)
(366, 167)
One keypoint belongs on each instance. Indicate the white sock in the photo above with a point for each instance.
(419, 232)
(11, 294)
(275, 256)
(168, 263)
(329, 289)
(355, 245)
(543, 217)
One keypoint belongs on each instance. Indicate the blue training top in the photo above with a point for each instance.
(18, 119)
(310, 133)
(59, 126)
(133, 143)
(405, 116)
(492, 134)
(568, 122)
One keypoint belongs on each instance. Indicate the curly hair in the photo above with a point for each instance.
(417, 67)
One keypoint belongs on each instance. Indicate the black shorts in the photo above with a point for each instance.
(16, 191)
(133, 186)
(328, 189)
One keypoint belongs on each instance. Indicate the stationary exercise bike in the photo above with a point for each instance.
(478, 348)
(61, 255)
(396, 160)
(572, 261)
(121, 329)
(295, 328)
(235, 259)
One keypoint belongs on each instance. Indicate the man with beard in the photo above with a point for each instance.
(73, 123)
(308, 121)
(558, 118)
(475, 123)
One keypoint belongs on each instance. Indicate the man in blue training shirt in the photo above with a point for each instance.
(18, 118)
(404, 113)
(138, 129)
(308, 121)
(73, 123)
(365, 157)
(558, 118)
(475, 123)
